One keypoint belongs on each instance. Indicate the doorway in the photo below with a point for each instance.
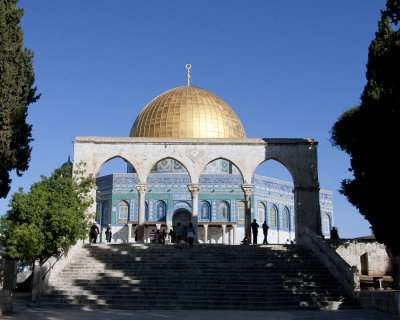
(183, 216)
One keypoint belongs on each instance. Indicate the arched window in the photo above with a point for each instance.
(285, 218)
(273, 216)
(205, 211)
(261, 212)
(123, 211)
(241, 210)
(224, 211)
(326, 224)
(105, 213)
(161, 210)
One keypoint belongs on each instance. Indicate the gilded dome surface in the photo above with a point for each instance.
(188, 112)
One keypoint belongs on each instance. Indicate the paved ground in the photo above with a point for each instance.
(24, 313)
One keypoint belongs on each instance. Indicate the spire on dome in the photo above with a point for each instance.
(188, 67)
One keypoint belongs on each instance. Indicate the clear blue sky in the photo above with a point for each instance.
(289, 69)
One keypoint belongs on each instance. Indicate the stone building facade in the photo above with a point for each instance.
(221, 203)
(191, 128)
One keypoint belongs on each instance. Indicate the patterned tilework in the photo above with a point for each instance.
(172, 189)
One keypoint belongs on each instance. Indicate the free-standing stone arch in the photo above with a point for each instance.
(298, 155)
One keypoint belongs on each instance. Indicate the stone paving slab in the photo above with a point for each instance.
(22, 312)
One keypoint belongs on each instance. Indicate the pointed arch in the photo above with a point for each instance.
(111, 158)
(273, 216)
(205, 211)
(261, 212)
(231, 168)
(161, 211)
(224, 211)
(169, 165)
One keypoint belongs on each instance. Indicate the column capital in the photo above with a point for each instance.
(247, 188)
(141, 188)
(194, 188)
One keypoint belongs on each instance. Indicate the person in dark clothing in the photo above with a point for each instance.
(254, 228)
(246, 240)
(163, 236)
(334, 234)
(108, 233)
(94, 231)
(265, 232)
(190, 234)
(180, 233)
(172, 235)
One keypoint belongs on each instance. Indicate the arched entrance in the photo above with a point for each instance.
(183, 216)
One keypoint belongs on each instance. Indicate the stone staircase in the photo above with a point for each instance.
(131, 276)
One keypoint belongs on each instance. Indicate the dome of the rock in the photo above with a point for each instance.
(188, 112)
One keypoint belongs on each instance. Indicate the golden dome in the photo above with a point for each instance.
(188, 112)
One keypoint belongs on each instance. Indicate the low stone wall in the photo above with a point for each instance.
(369, 256)
(344, 273)
(44, 274)
(384, 301)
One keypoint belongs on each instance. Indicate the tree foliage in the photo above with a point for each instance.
(16, 93)
(370, 134)
(50, 216)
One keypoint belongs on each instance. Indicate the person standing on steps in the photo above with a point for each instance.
(254, 226)
(164, 236)
(158, 236)
(172, 235)
(108, 233)
(152, 235)
(180, 233)
(190, 234)
(94, 231)
(265, 232)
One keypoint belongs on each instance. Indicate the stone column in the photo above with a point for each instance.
(194, 191)
(234, 233)
(247, 188)
(223, 233)
(230, 232)
(129, 232)
(141, 188)
(36, 281)
(307, 210)
(205, 233)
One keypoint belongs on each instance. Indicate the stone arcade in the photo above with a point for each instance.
(189, 160)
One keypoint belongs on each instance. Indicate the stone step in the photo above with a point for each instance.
(126, 276)
(192, 280)
(206, 306)
(188, 291)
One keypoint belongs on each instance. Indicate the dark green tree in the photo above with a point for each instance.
(52, 215)
(16, 93)
(370, 134)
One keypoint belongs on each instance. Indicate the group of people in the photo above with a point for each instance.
(156, 236)
(254, 228)
(162, 236)
(177, 235)
(94, 232)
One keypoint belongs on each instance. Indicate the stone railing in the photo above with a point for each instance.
(346, 275)
(45, 273)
